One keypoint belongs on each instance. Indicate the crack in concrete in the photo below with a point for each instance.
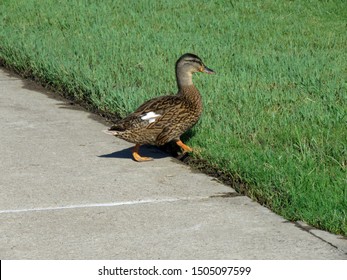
(120, 203)
(309, 229)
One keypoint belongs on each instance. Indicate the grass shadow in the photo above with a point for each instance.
(66, 101)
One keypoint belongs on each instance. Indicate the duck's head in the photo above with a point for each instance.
(192, 63)
(188, 64)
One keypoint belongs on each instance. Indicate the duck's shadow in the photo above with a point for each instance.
(167, 150)
(145, 150)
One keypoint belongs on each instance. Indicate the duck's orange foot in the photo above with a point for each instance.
(184, 147)
(136, 155)
(139, 158)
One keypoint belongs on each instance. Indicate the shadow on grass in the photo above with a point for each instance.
(66, 101)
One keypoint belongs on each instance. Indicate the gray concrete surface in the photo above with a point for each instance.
(69, 191)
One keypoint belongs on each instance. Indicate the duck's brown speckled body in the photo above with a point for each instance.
(166, 118)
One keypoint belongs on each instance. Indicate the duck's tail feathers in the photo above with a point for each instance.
(110, 132)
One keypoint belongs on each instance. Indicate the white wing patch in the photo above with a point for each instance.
(150, 116)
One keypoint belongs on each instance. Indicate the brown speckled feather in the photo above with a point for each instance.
(177, 114)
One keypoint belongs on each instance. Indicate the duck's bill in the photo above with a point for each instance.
(208, 70)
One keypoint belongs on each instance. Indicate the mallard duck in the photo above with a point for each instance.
(165, 118)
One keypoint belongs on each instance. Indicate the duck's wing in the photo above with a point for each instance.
(155, 113)
(158, 105)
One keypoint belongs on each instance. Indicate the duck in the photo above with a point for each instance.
(165, 118)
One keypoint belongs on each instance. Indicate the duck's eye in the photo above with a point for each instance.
(195, 61)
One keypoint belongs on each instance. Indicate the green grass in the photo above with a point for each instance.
(275, 114)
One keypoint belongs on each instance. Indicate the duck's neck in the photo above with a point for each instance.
(191, 94)
(184, 78)
(186, 86)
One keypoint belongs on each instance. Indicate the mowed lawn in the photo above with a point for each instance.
(275, 114)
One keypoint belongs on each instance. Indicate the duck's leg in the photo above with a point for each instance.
(137, 157)
(184, 147)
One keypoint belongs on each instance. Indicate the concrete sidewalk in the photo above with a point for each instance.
(69, 191)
